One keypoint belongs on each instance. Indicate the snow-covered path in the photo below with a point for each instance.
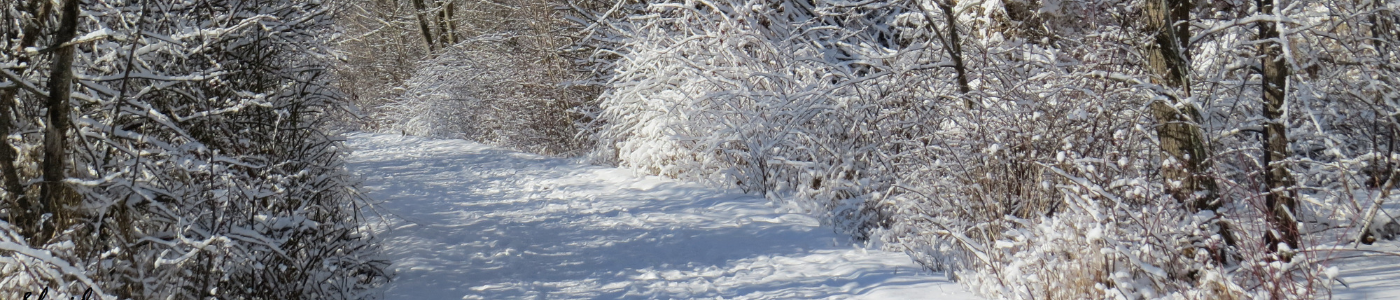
(468, 221)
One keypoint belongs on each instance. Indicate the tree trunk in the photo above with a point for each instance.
(446, 34)
(52, 193)
(421, 11)
(1178, 125)
(449, 22)
(8, 155)
(1178, 122)
(953, 45)
(27, 210)
(1278, 201)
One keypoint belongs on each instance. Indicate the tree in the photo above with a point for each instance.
(34, 16)
(439, 13)
(1281, 205)
(54, 196)
(1181, 137)
(423, 21)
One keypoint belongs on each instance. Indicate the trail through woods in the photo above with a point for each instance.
(469, 221)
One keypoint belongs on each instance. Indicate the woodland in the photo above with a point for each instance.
(1030, 149)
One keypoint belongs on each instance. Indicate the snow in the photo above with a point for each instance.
(1370, 275)
(469, 221)
(1369, 271)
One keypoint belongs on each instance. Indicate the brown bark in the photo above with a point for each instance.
(955, 45)
(1178, 125)
(952, 44)
(421, 10)
(1280, 204)
(8, 155)
(52, 192)
(27, 210)
(1178, 122)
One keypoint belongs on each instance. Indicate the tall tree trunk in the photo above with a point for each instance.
(53, 193)
(1178, 125)
(8, 155)
(451, 11)
(1279, 202)
(28, 211)
(421, 11)
(1178, 122)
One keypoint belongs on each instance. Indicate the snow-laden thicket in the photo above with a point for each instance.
(197, 165)
(484, 90)
(498, 74)
(710, 93)
(1037, 149)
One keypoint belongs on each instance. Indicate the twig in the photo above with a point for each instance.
(22, 83)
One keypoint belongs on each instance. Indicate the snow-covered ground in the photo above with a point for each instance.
(468, 221)
(1373, 272)
(1370, 271)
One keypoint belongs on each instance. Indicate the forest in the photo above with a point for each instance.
(1030, 149)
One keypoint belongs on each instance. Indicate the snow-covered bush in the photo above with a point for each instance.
(507, 84)
(760, 96)
(479, 91)
(199, 164)
(29, 271)
(1038, 149)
